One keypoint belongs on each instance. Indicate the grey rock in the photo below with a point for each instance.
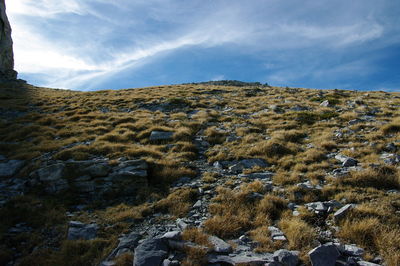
(78, 230)
(324, 255)
(98, 170)
(325, 103)
(10, 168)
(161, 135)
(353, 250)
(133, 165)
(127, 243)
(251, 259)
(286, 257)
(341, 213)
(51, 172)
(152, 251)
(176, 235)
(86, 186)
(366, 263)
(219, 245)
(349, 162)
(247, 164)
(391, 147)
(264, 175)
(6, 47)
(197, 204)
(317, 206)
(181, 224)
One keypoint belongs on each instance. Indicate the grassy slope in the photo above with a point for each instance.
(59, 124)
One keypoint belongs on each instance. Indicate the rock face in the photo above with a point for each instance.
(6, 47)
(78, 230)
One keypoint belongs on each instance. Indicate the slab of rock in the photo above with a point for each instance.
(286, 257)
(161, 135)
(325, 103)
(10, 168)
(78, 230)
(342, 212)
(366, 263)
(263, 175)
(346, 161)
(276, 233)
(353, 250)
(175, 235)
(126, 243)
(248, 164)
(51, 172)
(324, 255)
(152, 251)
(239, 259)
(219, 245)
(98, 170)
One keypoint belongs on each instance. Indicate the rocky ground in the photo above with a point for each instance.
(217, 176)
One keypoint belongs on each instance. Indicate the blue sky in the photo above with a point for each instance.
(102, 44)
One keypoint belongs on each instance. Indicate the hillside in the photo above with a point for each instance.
(199, 174)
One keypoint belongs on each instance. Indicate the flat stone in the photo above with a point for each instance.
(324, 255)
(286, 257)
(176, 235)
(78, 230)
(324, 103)
(10, 168)
(366, 263)
(247, 164)
(98, 170)
(263, 175)
(51, 172)
(238, 259)
(353, 250)
(152, 251)
(197, 204)
(161, 135)
(220, 246)
(341, 213)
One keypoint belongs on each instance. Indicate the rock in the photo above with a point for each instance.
(349, 162)
(286, 257)
(160, 136)
(317, 206)
(78, 230)
(249, 259)
(264, 175)
(6, 47)
(219, 245)
(324, 255)
(10, 168)
(341, 213)
(197, 204)
(98, 170)
(181, 224)
(152, 251)
(391, 147)
(325, 103)
(366, 263)
(276, 234)
(346, 161)
(52, 172)
(126, 243)
(247, 164)
(353, 250)
(175, 235)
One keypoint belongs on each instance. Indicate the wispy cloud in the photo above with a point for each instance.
(82, 43)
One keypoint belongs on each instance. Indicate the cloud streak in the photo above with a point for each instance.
(79, 44)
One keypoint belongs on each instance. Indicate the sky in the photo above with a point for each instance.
(102, 44)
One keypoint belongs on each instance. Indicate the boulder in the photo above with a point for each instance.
(98, 170)
(126, 243)
(324, 255)
(175, 235)
(152, 251)
(286, 257)
(325, 103)
(263, 175)
(232, 259)
(52, 172)
(161, 136)
(10, 168)
(78, 230)
(219, 245)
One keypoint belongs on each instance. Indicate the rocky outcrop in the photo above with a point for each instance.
(6, 47)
